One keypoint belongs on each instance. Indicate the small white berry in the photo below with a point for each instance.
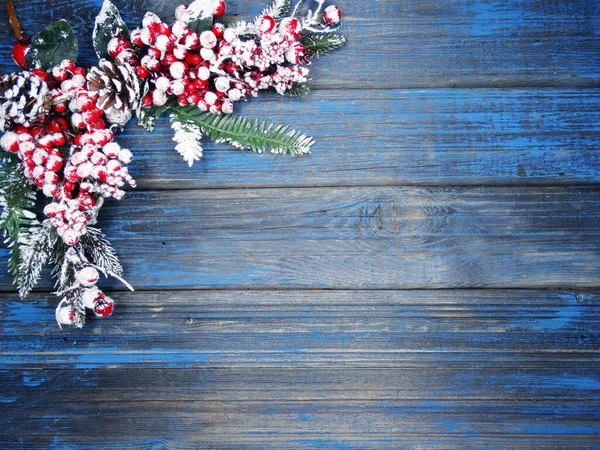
(85, 169)
(227, 107)
(203, 73)
(207, 54)
(163, 84)
(125, 156)
(230, 35)
(177, 87)
(90, 296)
(162, 43)
(208, 39)
(177, 70)
(159, 98)
(234, 94)
(222, 84)
(210, 98)
(88, 276)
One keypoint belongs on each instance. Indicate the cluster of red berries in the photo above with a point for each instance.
(215, 68)
(72, 167)
(91, 298)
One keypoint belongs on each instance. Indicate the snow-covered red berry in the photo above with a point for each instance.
(111, 150)
(10, 142)
(332, 15)
(227, 106)
(220, 8)
(159, 98)
(265, 25)
(295, 53)
(208, 39)
(116, 45)
(218, 29)
(104, 307)
(88, 276)
(65, 314)
(125, 156)
(71, 237)
(91, 296)
(290, 27)
(180, 12)
(163, 43)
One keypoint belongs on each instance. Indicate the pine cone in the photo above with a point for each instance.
(119, 90)
(24, 99)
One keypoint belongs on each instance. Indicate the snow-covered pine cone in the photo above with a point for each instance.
(118, 88)
(24, 99)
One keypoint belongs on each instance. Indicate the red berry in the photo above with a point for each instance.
(169, 59)
(162, 28)
(104, 308)
(69, 186)
(59, 140)
(42, 74)
(60, 108)
(154, 53)
(194, 98)
(182, 100)
(141, 72)
(18, 54)
(332, 15)
(265, 25)
(79, 71)
(193, 59)
(147, 101)
(116, 45)
(220, 9)
(218, 29)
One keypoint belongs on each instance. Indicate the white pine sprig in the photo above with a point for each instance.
(187, 136)
(34, 251)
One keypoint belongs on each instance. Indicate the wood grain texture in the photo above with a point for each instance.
(425, 43)
(431, 137)
(304, 360)
(349, 238)
(296, 369)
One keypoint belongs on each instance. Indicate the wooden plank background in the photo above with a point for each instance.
(427, 278)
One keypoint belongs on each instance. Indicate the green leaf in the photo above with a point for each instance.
(257, 135)
(319, 44)
(200, 25)
(109, 24)
(52, 45)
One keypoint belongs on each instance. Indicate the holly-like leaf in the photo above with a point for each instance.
(52, 45)
(199, 15)
(109, 24)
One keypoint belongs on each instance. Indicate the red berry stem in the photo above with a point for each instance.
(14, 20)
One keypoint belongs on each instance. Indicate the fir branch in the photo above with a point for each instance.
(100, 252)
(320, 44)
(298, 90)
(17, 197)
(187, 136)
(34, 254)
(257, 135)
(277, 10)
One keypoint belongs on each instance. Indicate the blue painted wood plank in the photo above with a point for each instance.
(271, 369)
(430, 137)
(408, 43)
(349, 238)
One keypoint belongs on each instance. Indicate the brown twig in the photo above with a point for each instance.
(14, 20)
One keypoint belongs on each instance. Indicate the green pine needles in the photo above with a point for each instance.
(257, 135)
(320, 44)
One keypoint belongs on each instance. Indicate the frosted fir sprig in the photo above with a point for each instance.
(187, 136)
(61, 120)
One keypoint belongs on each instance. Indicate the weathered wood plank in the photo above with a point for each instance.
(400, 329)
(284, 371)
(431, 137)
(407, 43)
(356, 237)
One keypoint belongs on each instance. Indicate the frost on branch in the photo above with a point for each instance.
(187, 136)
